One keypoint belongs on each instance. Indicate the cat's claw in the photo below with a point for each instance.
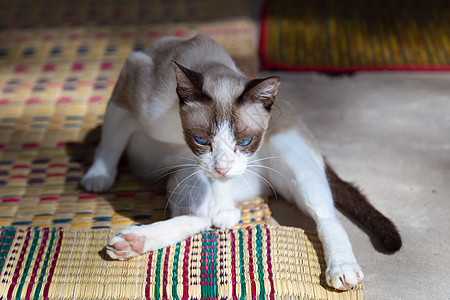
(344, 276)
(96, 180)
(227, 218)
(125, 245)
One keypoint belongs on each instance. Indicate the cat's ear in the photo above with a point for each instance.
(261, 91)
(189, 84)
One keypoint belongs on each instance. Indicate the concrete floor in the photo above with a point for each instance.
(390, 134)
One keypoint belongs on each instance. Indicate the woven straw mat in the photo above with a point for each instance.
(261, 261)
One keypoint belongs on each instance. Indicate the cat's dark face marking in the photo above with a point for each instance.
(228, 113)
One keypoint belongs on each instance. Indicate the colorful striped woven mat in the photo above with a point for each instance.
(345, 36)
(257, 262)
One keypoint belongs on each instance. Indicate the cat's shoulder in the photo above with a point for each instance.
(286, 121)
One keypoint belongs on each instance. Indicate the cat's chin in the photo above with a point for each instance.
(221, 178)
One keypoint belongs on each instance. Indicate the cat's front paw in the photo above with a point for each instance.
(98, 179)
(227, 218)
(127, 244)
(344, 276)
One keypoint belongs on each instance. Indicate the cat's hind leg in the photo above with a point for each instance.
(118, 125)
(136, 240)
(306, 184)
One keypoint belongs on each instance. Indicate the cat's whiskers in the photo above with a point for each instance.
(181, 182)
(264, 158)
(172, 194)
(173, 167)
(190, 192)
(248, 186)
(173, 172)
(178, 194)
(265, 181)
(187, 158)
(182, 190)
(271, 169)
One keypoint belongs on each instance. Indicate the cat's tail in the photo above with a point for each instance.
(350, 201)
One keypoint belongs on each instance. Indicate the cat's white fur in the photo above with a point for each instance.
(203, 191)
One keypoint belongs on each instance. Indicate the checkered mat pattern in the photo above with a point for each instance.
(351, 35)
(55, 82)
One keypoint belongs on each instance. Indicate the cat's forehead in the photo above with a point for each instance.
(223, 110)
(223, 90)
(250, 117)
(212, 118)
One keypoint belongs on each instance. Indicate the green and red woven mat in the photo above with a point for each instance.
(256, 262)
(352, 35)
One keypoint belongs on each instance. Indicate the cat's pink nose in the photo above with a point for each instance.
(222, 170)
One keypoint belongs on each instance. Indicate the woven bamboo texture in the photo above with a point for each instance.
(346, 36)
(262, 261)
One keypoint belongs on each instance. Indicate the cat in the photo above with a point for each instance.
(184, 109)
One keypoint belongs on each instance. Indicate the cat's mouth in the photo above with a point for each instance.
(218, 176)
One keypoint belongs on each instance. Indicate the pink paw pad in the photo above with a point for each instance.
(131, 240)
(130, 237)
(138, 245)
(120, 245)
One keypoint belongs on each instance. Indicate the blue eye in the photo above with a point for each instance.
(201, 141)
(245, 142)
